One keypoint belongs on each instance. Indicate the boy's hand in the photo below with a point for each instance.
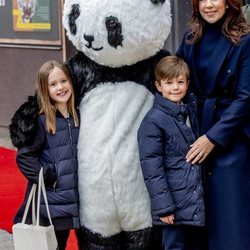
(168, 219)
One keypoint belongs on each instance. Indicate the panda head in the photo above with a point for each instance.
(116, 33)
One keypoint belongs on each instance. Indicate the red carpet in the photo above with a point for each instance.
(12, 189)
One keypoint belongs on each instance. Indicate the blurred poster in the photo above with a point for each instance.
(2, 3)
(31, 15)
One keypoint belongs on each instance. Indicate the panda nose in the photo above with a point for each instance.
(89, 38)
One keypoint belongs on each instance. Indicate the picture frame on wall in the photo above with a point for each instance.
(31, 23)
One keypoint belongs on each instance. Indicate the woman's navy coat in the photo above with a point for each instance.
(57, 154)
(174, 185)
(225, 111)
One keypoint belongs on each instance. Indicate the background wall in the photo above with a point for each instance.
(181, 10)
(18, 67)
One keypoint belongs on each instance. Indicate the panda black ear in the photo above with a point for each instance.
(158, 1)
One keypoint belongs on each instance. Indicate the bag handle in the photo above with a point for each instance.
(41, 188)
(32, 195)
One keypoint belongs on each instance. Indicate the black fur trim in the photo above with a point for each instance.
(87, 74)
(145, 239)
(23, 126)
(87, 240)
(139, 240)
(156, 238)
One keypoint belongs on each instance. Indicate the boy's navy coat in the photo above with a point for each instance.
(57, 154)
(226, 121)
(173, 184)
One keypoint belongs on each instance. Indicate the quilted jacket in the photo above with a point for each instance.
(57, 154)
(174, 185)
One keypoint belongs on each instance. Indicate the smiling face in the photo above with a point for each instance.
(59, 87)
(116, 32)
(173, 89)
(212, 10)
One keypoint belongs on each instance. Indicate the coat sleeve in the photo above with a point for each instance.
(27, 159)
(151, 150)
(237, 113)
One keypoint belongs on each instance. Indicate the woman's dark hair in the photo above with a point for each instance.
(235, 25)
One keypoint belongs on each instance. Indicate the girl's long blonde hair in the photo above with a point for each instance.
(46, 104)
(235, 25)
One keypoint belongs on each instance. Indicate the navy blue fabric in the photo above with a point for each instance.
(57, 154)
(227, 82)
(182, 237)
(174, 185)
(224, 101)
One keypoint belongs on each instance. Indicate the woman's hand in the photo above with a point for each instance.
(200, 149)
(168, 219)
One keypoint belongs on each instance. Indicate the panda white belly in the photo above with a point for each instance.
(113, 196)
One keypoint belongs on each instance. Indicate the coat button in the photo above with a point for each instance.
(229, 71)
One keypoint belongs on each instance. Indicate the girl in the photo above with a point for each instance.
(54, 149)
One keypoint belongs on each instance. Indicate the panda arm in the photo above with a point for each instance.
(23, 125)
(80, 73)
(144, 70)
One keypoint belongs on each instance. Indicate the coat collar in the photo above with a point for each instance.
(214, 65)
(180, 112)
(170, 107)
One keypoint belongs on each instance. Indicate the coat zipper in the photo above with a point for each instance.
(70, 136)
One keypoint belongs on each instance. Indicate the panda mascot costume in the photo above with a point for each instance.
(118, 42)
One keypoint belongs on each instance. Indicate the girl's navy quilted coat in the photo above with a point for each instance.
(57, 154)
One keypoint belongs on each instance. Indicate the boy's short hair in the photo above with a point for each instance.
(170, 67)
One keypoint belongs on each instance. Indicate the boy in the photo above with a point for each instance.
(165, 136)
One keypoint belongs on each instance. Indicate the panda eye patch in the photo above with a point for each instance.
(111, 22)
(114, 29)
(74, 14)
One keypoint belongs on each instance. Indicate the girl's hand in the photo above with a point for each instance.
(200, 149)
(168, 219)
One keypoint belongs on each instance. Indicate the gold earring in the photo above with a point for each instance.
(227, 7)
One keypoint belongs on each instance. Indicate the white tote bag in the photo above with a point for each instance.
(34, 236)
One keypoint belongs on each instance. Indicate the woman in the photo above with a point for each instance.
(217, 49)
